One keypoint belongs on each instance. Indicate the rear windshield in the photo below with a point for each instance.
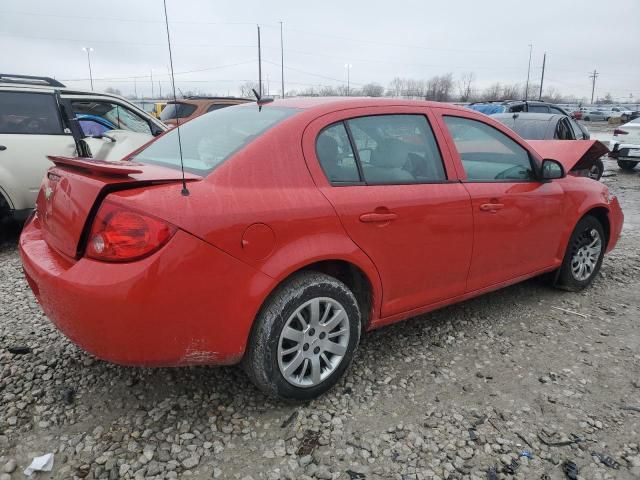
(210, 139)
(177, 110)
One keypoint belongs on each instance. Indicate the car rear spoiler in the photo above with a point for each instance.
(572, 154)
(97, 166)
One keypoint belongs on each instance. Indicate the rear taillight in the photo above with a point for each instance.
(119, 234)
(617, 132)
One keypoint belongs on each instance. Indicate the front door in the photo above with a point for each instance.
(518, 219)
(398, 201)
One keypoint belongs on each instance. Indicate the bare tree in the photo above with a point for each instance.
(511, 92)
(113, 91)
(493, 92)
(372, 90)
(246, 89)
(465, 86)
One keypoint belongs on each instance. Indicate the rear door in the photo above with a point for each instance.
(398, 198)
(518, 219)
(30, 129)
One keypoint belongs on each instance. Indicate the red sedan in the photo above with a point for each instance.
(306, 222)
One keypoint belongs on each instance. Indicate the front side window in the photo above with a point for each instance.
(29, 113)
(209, 140)
(109, 115)
(396, 149)
(336, 156)
(488, 154)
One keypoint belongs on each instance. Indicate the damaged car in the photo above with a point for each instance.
(39, 116)
(300, 224)
(550, 126)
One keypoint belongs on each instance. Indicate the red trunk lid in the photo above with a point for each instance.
(72, 189)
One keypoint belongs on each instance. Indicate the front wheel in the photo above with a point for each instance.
(584, 254)
(304, 338)
(596, 170)
(627, 165)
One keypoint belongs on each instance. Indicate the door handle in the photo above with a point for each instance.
(2, 148)
(491, 207)
(378, 217)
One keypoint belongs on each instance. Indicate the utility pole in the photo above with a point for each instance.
(593, 77)
(544, 62)
(160, 88)
(526, 90)
(259, 64)
(135, 88)
(282, 59)
(348, 67)
(152, 95)
(89, 50)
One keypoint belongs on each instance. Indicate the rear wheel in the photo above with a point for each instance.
(627, 164)
(584, 254)
(587, 119)
(304, 338)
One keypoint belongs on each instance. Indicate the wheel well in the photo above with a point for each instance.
(602, 215)
(352, 277)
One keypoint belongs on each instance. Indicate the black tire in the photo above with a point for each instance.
(597, 170)
(627, 165)
(261, 358)
(587, 119)
(624, 118)
(581, 236)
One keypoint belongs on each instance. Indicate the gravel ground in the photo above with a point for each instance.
(517, 381)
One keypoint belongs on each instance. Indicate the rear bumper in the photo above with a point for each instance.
(616, 220)
(189, 303)
(621, 150)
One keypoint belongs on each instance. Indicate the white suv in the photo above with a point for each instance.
(39, 116)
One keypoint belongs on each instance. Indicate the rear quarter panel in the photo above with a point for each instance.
(267, 189)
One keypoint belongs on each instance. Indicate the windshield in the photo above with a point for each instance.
(177, 110)
(210, 139)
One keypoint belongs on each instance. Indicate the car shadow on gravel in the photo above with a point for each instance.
(224, 386)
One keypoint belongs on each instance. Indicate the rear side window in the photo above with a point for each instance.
(216, 106)
(538, 109)
(209, 140)
(488, 154)
(29, 113)
(336, 155)
(389, 150)
(177, 110)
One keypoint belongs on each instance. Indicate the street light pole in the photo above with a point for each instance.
(348, 67)
(526, 91)
(282, 59)
(89, 50)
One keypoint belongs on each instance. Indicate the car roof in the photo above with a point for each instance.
(208, 100)
(529, 116)
(340, 103)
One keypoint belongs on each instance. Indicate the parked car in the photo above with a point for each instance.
(300, 224)
(39, 116)
(595, 116)
(626, 145)
(512, 106)
(549, 126)
(192, 107)
(154, 108)
(577, 114)
(623, 113)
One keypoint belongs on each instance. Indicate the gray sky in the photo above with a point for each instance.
(216, 41)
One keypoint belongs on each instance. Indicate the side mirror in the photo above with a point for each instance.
(552, 169)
